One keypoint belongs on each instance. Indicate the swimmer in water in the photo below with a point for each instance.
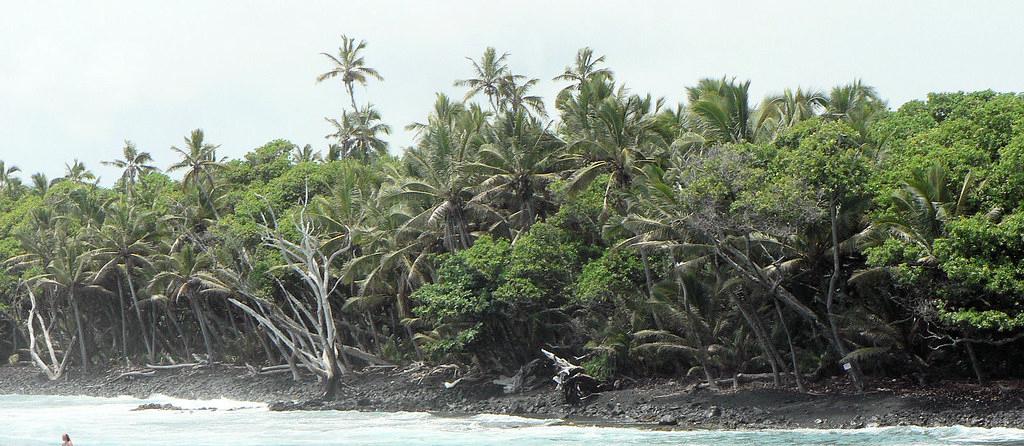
(66, 440)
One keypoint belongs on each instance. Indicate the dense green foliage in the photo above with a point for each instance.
(717, 237)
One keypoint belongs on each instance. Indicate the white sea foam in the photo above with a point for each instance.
(218, 403)
(39, 420)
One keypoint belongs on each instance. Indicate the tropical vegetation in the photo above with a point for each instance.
(813, 233)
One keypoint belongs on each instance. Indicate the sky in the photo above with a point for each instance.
(79, 78)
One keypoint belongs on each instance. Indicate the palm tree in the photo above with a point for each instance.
(200, 163)
(350, 67)
(133, 166)
(333, 151)
(722, 111)
(577, 108)
(855, 103)
(436, 178)
(183, 275)
(791, 107)
(70, 269)
(585, 68)
(519, 161)
(77, 172)
(124, 243)
(620, 147)
(923, 206)
(40, 184)
(7, 178)
(304, 154)
(516, 96)
(358, 135)
(491, 71)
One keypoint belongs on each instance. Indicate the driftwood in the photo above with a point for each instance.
(572, 379)
(191, 365)
(742, 378)
(277, 369)
(359, 354)
(134, 374)
(274, 368)
(527, 378)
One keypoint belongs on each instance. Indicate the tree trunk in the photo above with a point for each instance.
(833, 282)
(124, 324)
(792, 350)
(202, 328)
(352, 97)
(691, 328)
(81, 332)
(138, 311)
(403, 312)
(974, 363)
(755, 324)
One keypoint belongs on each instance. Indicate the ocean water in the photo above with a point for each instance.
(40, 420)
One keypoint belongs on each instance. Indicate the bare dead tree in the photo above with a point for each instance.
(54, 369)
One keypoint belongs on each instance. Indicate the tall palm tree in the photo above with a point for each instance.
(350, 67)
(359, 134)
(133, 165)
(584, 68)
(490, 72)
(124, 244)
(200, 163)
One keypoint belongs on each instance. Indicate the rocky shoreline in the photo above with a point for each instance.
(653, 403)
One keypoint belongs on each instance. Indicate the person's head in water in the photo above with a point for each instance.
(65, 437)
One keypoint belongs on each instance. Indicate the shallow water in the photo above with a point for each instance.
(39, 420)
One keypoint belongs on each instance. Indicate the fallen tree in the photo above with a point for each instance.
(575, 384)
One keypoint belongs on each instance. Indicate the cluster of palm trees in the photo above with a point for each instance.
(116, 262)
(144, 271)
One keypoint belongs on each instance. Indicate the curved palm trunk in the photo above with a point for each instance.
(757, 326)
(649, 283)
(202, 327)
(351, 96)
(695, 334)
(403, 312)
(81, 332)
(792, 350)
(209, 200)
(124, 323)
(138, 313)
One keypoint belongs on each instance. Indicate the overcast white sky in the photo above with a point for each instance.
(77, 78)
